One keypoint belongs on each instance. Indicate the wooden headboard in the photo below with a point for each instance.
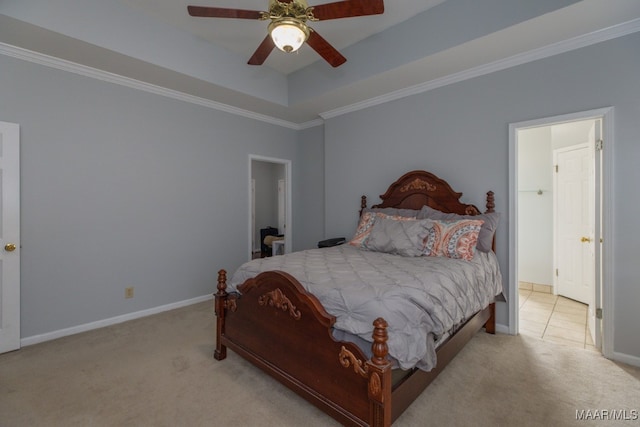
(418, 188)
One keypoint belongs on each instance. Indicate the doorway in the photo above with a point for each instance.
(270, 201)
(557, 251)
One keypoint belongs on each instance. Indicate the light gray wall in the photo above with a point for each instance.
(125, 188)
(460, 132)
(308, 218)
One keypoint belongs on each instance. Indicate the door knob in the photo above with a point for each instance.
(585, 239)
(9, 247)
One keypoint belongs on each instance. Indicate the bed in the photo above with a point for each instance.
(273, 319)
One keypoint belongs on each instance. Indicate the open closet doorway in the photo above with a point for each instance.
(558, 261)
(270, 206)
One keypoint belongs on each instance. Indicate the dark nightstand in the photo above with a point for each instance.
(331, 242)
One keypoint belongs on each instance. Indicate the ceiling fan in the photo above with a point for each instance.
(288, 28)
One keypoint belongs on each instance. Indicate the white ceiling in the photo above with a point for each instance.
(414, 46)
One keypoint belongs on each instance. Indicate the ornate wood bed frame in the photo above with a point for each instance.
(279, 327)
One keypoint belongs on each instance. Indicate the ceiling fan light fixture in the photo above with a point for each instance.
(288, 34)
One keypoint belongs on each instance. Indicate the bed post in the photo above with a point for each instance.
(491, 207)
(490, 326)
(379, 370)
(220, 305)
(363, 204)
(491, 202)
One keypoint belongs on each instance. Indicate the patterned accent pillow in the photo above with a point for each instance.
(453, 239)
(485, 238)
(366, 222)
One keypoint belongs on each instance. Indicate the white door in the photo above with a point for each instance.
(574, 201)
(10, 237)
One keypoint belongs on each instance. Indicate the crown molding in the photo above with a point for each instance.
(310, 124)
(522, 58)
(512, 61)
(83, 70)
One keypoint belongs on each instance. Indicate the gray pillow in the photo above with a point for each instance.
(488, 229)
(396, 237)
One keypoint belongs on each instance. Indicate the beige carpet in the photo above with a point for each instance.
(159, 371)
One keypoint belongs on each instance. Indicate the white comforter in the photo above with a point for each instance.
(421, 298)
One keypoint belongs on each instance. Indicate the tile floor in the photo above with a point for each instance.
(554, 318)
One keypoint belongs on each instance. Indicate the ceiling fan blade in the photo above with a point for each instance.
(324, 49)
(262, 52)
(348, 8)
(220, 12)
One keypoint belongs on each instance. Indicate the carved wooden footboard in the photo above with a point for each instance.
(279, 327)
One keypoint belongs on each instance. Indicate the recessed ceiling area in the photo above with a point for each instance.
(414, 44)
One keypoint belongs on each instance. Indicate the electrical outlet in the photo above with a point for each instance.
(128, 292)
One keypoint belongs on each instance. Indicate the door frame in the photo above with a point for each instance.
(606, 285)
(288, 233)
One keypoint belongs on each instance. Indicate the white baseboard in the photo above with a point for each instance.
(626, 358)
(108, 322)
(615, 356)
(502, 329)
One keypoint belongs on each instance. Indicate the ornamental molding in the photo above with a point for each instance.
(375, 385)
(418, 184)
(347, 359)
(278, 299)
